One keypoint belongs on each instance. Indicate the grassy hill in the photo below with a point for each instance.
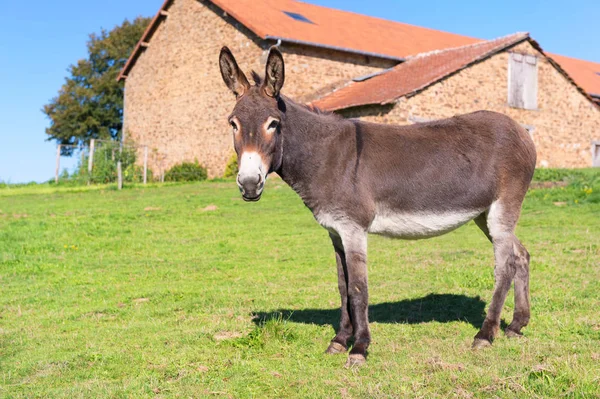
(187, 291)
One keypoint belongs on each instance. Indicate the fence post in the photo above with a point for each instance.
(119, 167)
(91, 160)
(145, 164)
(119, 175)
(57, 164)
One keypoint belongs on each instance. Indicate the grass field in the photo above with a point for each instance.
(187, 291)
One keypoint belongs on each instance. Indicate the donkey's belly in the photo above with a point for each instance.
(419, 224)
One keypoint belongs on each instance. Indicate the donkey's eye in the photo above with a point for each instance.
(234, 125)
(270, 126)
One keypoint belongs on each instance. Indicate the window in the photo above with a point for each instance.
(596, 153)
(298, 17)
(522, 81)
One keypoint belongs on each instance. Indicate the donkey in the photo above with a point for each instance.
(409, 182)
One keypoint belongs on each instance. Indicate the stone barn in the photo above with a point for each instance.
(511, 75)
(177, 104)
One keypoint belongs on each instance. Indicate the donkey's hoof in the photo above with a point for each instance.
(512, 334)
(355, 360)
(335, 348)
(480, 343)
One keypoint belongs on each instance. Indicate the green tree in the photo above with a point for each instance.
(90, 103)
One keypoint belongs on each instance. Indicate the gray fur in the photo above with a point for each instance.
(350, 172)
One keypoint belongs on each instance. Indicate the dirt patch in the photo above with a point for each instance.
(210, 208)
(49, 369)
(438, 364)
(560, 203)
(538, 368)
(507, 383)
(151, 208)
(141, 300)
(463, 393)
(547, 184)
(20, 216)
(224, 335)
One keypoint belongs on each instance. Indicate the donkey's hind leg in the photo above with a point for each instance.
(522, 306)
(339, 344)
(509, 256)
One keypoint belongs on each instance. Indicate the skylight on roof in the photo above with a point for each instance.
(298, 17)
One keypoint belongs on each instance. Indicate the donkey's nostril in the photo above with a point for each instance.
(240, 186)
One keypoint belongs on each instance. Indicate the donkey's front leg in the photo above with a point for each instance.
(339, 343)
(355, 248)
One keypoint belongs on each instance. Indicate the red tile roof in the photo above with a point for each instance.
(585, 73)
(337, 29)
(413, 75)
(349, 32)
(328, 28)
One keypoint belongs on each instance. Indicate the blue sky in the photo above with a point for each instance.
(40, 39)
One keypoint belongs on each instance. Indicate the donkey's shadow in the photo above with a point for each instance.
(441, 308)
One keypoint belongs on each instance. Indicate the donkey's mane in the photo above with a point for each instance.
(313, 109)
(256, 78)
(316, 110)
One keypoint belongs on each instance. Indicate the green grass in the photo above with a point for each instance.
(144, 293)
(588, 174)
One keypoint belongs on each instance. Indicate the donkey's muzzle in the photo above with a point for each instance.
(251, 186)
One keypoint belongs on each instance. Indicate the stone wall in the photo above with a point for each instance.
(175, 99)
(563, 127)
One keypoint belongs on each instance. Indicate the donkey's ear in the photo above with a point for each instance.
(233, 76)
(275, 73)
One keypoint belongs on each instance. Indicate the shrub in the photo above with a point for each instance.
(553, 175)
(135, 173)
(566, 175)
(106, 157)
(231, 170)
(105, 164)
(186, 171)
(579, 185)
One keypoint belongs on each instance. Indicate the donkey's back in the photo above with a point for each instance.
(457, 165)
